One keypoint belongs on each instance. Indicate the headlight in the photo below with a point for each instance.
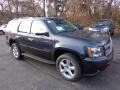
(95, 52)
(106, 29)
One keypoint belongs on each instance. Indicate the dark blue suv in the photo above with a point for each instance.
(56, 41)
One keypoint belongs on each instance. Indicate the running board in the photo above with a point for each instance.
(38, 58)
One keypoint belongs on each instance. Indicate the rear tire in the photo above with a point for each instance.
(16, 51)
(112, 33)
(1, 32)
(69, 67)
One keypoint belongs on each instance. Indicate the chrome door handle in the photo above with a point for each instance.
(30, 39)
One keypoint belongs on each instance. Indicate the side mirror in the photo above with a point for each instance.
(45, 34)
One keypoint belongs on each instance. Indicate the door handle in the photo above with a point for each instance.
(30, 39)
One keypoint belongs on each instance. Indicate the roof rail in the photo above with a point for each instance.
(23, 18)
(29, 18)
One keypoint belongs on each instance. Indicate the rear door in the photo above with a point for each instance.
(22, 35)
(39, 44)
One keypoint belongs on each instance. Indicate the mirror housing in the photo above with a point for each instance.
(45, 34)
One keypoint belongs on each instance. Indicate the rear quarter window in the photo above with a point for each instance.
(13, 26)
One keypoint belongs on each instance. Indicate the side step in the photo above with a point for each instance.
(38, 58)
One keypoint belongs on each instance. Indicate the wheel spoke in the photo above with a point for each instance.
(68, 62)
(67, 68)
(15, 51)
(63, 71)
(63, 64)
(71, 67)
(69, 72)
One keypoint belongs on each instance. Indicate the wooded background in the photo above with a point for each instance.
(83, 11)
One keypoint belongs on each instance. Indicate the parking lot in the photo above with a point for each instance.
(33, 75)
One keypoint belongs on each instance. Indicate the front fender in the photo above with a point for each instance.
(71, 48)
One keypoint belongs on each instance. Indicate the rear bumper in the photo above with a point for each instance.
(93, 65)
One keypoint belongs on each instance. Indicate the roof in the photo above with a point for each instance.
(34, 18)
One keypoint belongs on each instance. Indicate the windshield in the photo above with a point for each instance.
(61, 25)
(101, 23)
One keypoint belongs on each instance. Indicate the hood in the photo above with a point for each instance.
(89, 36)
(99, 27)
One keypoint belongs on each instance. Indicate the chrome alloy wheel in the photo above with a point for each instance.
(15, 51)
(67, 68)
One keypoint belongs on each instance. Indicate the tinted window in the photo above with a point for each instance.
(61, 25)
(38, 27)
(25, 26)
(102, 23)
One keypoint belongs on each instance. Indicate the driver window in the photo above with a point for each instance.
(38, 27)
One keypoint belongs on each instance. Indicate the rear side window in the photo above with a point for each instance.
(25, 26)
(38, 27)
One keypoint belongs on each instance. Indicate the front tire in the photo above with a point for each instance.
(16, 51)
(69, 67)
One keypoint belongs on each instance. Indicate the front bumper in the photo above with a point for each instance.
(93, 65)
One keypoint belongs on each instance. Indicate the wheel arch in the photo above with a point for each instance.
(60, 51)
(11, 41)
